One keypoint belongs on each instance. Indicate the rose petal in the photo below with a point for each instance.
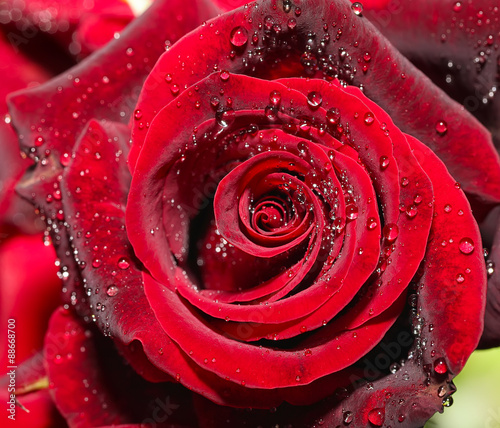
(384, 83)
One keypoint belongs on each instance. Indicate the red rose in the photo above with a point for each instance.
(275, 240)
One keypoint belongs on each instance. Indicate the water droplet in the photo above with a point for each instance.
(112, 290)
(447, 208)
(65, 159)
(390, 232)
(412, 211)
(371, 223)
(238, 37)
(448, 401)
(460, 278)
(292, 23)
(271, 113)
(275, 98)
(369, 119)
(440, 366)
(466, 245)
(405, 181)
(333, 116)
(357, 8)
(96, 263)
(457, 7)
(175, 89)
(384, 162)
(307, 352)
(314, 99)
(441, 127)
(351, 211)
(347, 417)
(224, 75)
(441, 391)
(137, 114)
(225, 117)
(123, 263)
(377, 416)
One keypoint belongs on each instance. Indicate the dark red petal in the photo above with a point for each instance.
(454, 243)
(92, 386)
(14, 211)
(392, 398)
(456, 49)
(491, 334)
(390, 80)
(258, 367)
(61, 108)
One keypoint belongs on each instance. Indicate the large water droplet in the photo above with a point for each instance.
(371, 223)
(275, 98)
(351, 212)
(390, 232)
(441, 127)
(440, 366)
(369, 119)
(466, 245)
(377, 416)
(123, 263)
(333, 116)
(357, 8)
(225, 117)
(112, 290)
(314, 99)
(347, 417)
(238, 37)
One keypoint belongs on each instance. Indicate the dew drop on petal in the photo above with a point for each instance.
(466, 245)
(347, 417)
(460, 278)
(377, 416)
(351, 211)
(384, 162)
(390, 232)
(65, 159)
(457, 7)
(412, 211)
(371, 223)
(175, 89)
(333, 116)
(441, 392)
(441, 127)
(123, 263)
(275, 98)
(314, 99)
(440, 366)
(369, 119)
(238, 36)
(112, 290)
(224, 75)
(357, 8)
(448, 401)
